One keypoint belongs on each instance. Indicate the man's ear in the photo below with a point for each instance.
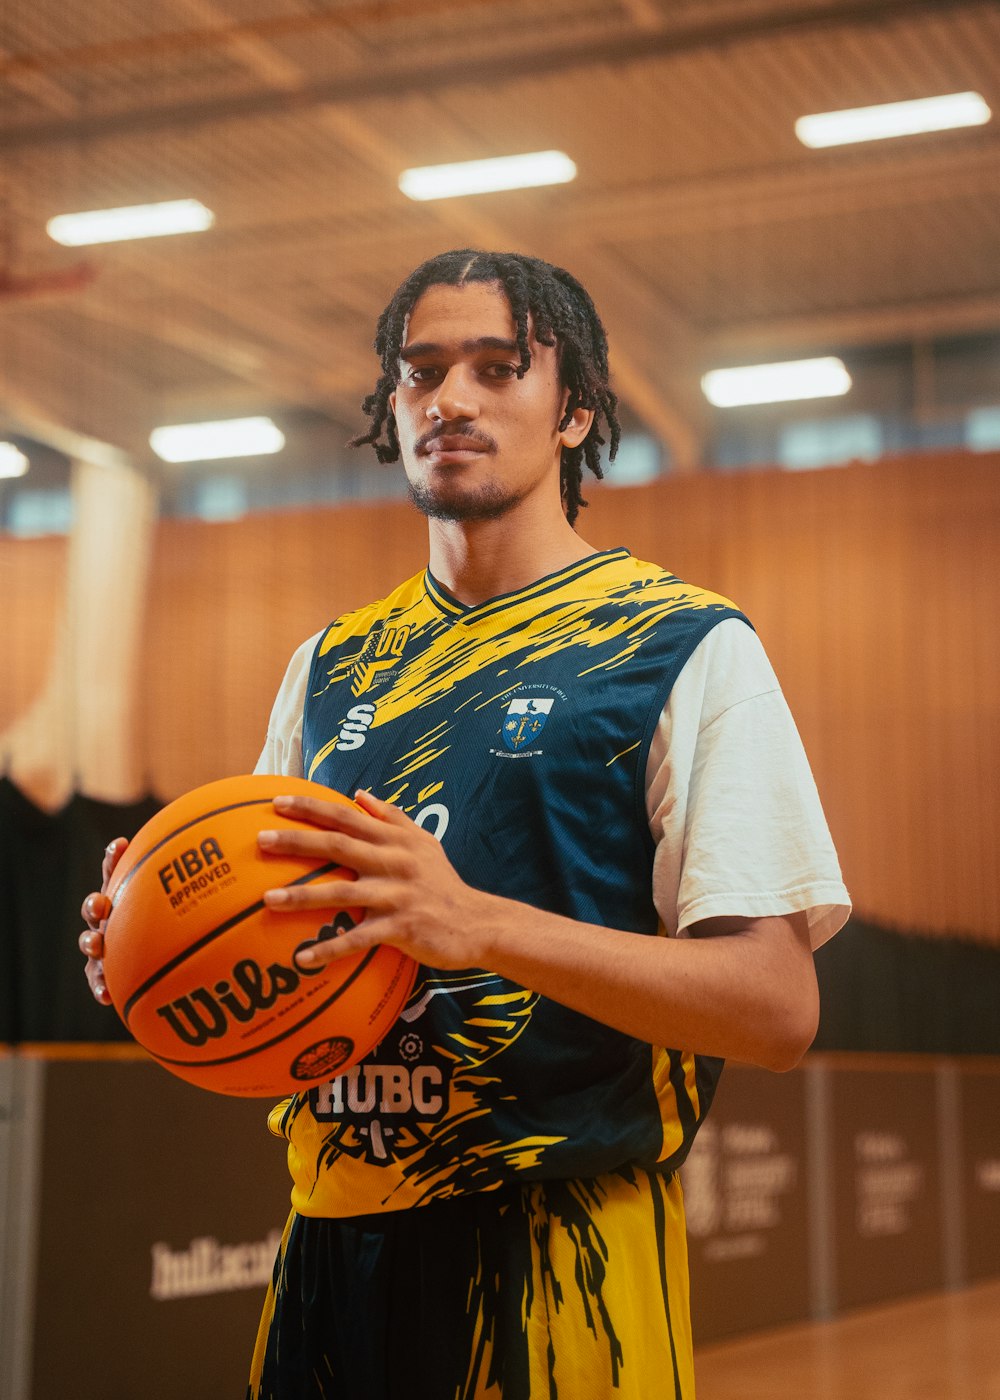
(577, 428)
(392, 403)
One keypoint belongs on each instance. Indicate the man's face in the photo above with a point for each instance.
(476, 440)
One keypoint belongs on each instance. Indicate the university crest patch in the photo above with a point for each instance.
(525, 720)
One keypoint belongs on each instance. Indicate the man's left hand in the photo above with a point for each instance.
(409, 891)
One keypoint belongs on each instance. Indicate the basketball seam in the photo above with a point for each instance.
(276, 1040)
(201, 817)
(216, 932)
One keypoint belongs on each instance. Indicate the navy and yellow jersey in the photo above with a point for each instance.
(517, 731)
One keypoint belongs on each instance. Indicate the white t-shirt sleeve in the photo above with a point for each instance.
(731, 800)
(282, 751)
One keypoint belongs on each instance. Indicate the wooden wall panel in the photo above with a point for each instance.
(874, 588)
(229, 605)
(32, 590)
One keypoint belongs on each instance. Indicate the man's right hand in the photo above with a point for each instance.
(95, 911)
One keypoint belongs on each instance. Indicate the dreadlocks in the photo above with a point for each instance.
(563, 315)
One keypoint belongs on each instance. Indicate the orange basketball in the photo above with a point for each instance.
(203, 974)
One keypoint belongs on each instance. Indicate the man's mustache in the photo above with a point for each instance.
(480, 441)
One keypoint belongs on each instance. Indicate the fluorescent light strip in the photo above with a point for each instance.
(823, 378)
(135, 221)
(893, 119)
(484, 176)
(13, 462)
(210, 442)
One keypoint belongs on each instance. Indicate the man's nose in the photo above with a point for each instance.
(455, 397)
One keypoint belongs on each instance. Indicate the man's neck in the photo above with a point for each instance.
(482, 559)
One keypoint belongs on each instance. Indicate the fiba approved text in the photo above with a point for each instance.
(196, 868)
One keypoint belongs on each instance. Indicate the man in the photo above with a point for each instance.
(557, 754)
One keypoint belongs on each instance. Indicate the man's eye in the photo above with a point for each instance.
(503, 369)
(421, 374)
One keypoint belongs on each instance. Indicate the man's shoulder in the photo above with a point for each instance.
(655, 584)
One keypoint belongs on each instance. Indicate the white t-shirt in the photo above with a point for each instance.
(731, 800)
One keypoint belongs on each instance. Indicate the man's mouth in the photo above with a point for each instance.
(451, 444)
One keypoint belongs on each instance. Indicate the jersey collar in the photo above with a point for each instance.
(452, 608)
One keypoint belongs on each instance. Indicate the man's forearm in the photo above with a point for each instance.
(743, 990)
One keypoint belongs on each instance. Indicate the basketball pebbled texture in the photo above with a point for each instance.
(203, 974)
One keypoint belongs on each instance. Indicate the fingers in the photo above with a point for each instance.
(361, 840)
(91, 943)
(330, 894)
(359, 939)
(330, 816)
(384, 811)
(354, 818)
(98, 987)
(374, 838)
(94, 911)
(324, 845)
(96, 908)
(112, 855)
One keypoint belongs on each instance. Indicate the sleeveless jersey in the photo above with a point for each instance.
(517, 731)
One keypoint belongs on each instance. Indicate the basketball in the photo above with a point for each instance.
(203, 973)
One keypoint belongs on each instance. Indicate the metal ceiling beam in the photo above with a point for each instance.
(962, 164)
(636, 47)
(221, 32)
(645, 14)
(255, 342)
(27, 419)
(40, 88)
(70, 402)
(866, 325)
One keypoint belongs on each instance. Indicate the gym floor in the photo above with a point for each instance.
(941, 1346)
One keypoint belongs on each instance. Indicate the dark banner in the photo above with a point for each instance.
(745, 1194)
(881, 992)
(980, 1158)
(48, 862)
(158, 1209)
(886, 1184)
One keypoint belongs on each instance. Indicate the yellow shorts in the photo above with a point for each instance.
(555, 1290)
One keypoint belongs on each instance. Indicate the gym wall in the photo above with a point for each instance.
(134, 674)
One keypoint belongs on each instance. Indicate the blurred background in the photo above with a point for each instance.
(153, 592)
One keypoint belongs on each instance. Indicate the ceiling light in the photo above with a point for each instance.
(823, 378)
(204, 442)
(893, 119)
(483, 176)
(13, 462)
(135, 221)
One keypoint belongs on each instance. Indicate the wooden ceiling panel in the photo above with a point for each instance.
(817, 266)
(696, 211)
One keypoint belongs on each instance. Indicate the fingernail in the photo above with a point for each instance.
(282, 802)
(266, 838)
(306, 956)
(109, 849)
(273, 897)
(90, 905)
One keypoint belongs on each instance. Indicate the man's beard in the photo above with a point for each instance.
(488, 501)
